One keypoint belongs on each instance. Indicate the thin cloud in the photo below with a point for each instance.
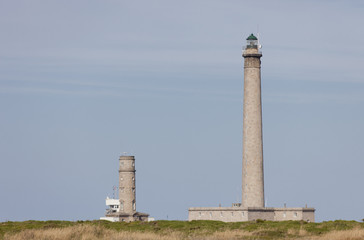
(312, 98)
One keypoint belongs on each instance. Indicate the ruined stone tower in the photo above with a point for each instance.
(127, 184)
(253, 177)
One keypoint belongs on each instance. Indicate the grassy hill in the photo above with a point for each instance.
(178, 230)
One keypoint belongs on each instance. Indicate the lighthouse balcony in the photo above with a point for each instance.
(254, 48)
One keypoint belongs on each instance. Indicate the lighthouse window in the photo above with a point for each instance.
(134, 205)
(295, 214)
(121, 205)
(133, 164)
(133, 178)
(121, 179)
(221, 214)
(232, 213)
(133, 190)
(210, 214)
(200, 214)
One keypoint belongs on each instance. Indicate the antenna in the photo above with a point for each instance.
(237, 196)
(114, 190)
(258, 35)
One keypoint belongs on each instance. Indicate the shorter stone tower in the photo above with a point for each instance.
(127, 185)
(124, 208)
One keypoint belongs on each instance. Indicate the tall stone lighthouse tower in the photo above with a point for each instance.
(253, 176)
(252, 206)
(127, 185)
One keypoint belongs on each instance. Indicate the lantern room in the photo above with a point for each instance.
(252, 41)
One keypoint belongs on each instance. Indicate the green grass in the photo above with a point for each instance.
(263, 229)
(13, 227)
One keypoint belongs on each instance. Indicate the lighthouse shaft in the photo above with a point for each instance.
(253, 175)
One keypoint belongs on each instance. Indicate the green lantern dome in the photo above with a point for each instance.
(252, 37)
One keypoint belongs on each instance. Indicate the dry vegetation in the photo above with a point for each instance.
(353, 234)
(178, 230)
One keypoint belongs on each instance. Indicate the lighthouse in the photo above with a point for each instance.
(252, 206)
(253, 175)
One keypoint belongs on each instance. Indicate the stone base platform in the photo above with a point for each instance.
(125, 217)
(241, 214)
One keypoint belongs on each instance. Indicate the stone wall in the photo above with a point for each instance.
(219, 214)
(261, 213)
(240, 214)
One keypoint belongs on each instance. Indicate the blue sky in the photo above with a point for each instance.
(81, 82)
